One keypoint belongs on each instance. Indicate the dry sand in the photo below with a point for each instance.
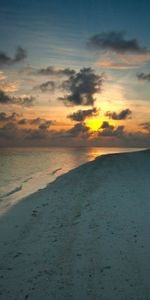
(85, 236)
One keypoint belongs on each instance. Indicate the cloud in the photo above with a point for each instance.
(8, 87)
(124, 114)
(122, 61)
(22, 121)
(36, 121)
(106, 124)
(23, 100)
(82, 87)
(79, 130)
(8, 131)
(53, 71)
(80, 134)
(146, 126)
(4, 98)
(7, 117)
(40, 122)
(2, 76)
(20, 55)
(45, 125)
(14, 117)
(20, 100)
(81, 115)
(144, 77)
(48, 86)
(108, 63)
(115, 41)
(35, 134)
(110, 130)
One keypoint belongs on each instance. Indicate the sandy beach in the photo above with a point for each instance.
(85, 236)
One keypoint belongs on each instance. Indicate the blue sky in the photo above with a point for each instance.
(43, 27)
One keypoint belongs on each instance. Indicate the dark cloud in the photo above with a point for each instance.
(20, 55)
(48, 86)
(41, 123)
(144, 77)
(115, 41)
(7, 117)
(36, 134)
(4, 98)
(45, 125)
(106, 124)
(110, 130)
(81, 115)
(36, 121)
(8, 131)
(81, 87)
(80, 134)
(79, 130)
(22, 121)
(124, 114)
(25, 101)
(55, 72)
(30, 121)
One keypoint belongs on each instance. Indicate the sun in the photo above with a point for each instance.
(93, 124)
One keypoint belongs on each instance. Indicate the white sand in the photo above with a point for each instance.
(86, 236)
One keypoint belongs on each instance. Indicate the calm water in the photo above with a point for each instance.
(25, 170)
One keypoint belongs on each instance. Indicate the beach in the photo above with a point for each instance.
(85, 236)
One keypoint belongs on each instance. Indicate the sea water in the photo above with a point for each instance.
(26, 170)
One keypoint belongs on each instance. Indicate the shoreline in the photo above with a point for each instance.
(17, 191)
(85, 236)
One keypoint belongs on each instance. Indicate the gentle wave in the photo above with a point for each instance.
(17, 189)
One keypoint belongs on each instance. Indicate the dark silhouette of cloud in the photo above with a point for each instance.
(124, 114)
(79, 130)
(106, 124)
(80, 134)
(110, 130)
(144, 77)
(7, 117)
(55, 72)
(36, 121)
(48, 86)
(115, 41)
(35, 134)
(23, 122)
(4, 98)
(45, 125)
(9, 131)
(20, 55)
(40, 122)
(82, 87)
(25, 101)
(81, 115)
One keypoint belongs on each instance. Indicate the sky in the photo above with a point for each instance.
(75, 73)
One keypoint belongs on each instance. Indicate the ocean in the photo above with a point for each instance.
(23, 171)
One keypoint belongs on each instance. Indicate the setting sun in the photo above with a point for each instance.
(94, 124)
